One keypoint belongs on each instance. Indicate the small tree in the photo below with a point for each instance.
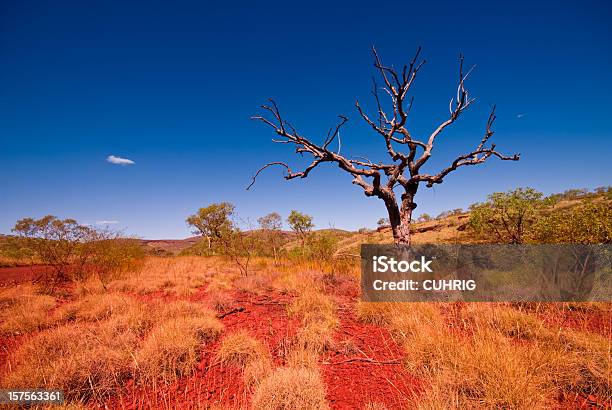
(424, 218)
(383, 222)
(74, 251)
(301, 224)
(407, 155)
(271, 226)
(240, 247)
(55, 242)
(506, 216)
(213, 221)
(589, 223)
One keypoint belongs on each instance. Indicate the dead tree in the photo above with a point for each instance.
(408, 155)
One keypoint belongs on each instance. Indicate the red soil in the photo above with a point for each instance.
(351, 382)
(18, 274)
(264, 316)
(367, 367)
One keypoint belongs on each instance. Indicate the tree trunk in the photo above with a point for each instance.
(403, 229)
(401, 219)
(400, 224)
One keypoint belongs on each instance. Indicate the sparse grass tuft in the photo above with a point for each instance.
(302, 357)
(317, 335)
(24, 312)
(374, 313)
(172, 348)
(291, 388)
(317, 313)
(219, 300)
(180, 276)
(240, 348)
(96, 307)
(503, 319)
(82, 360)
(12, 294)
(257, 370)
(258, 284)
(183, 308)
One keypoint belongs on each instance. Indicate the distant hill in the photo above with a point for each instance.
(447, 229)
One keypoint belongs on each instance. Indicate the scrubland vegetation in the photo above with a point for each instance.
(268, 319)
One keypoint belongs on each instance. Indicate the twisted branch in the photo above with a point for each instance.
(393, 128)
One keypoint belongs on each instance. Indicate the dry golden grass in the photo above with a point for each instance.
(183, 308)
(118, 311)
(586, 362)
(219, 300)
(480, 370)
(255, 371)
(93, 357)
(481, 364)
(11, 294)
(253, 283)
(83, 360)
(240, 348)
(317, 336)
(89, 286)
(476, 356)
(291, 388)
(97, 306)
(303, 357)
(23, 310)
(312, 306)
(374, 313)
(318, 318)
(180, 276)
(172, 349)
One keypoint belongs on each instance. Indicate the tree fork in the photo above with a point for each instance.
(408, 155)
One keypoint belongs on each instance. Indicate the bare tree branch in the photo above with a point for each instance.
(400, 145)
(478, 156)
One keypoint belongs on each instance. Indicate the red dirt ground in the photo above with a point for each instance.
(366, 367)
(265, 317)
(369, 370)
(351, 381)
(18, 274)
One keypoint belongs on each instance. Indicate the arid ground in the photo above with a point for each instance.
(195, 332)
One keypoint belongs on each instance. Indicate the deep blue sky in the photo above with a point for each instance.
(171, 86)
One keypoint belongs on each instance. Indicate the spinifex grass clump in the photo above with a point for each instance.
(113, 338)
(85, 361)
(246, 352)
(317, 314)
(172, 348)
(23, 310)
(177, 276)
(291, 388)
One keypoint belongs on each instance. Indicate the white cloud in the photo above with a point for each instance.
(106, 222)
(119, 161)
(521, 115)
